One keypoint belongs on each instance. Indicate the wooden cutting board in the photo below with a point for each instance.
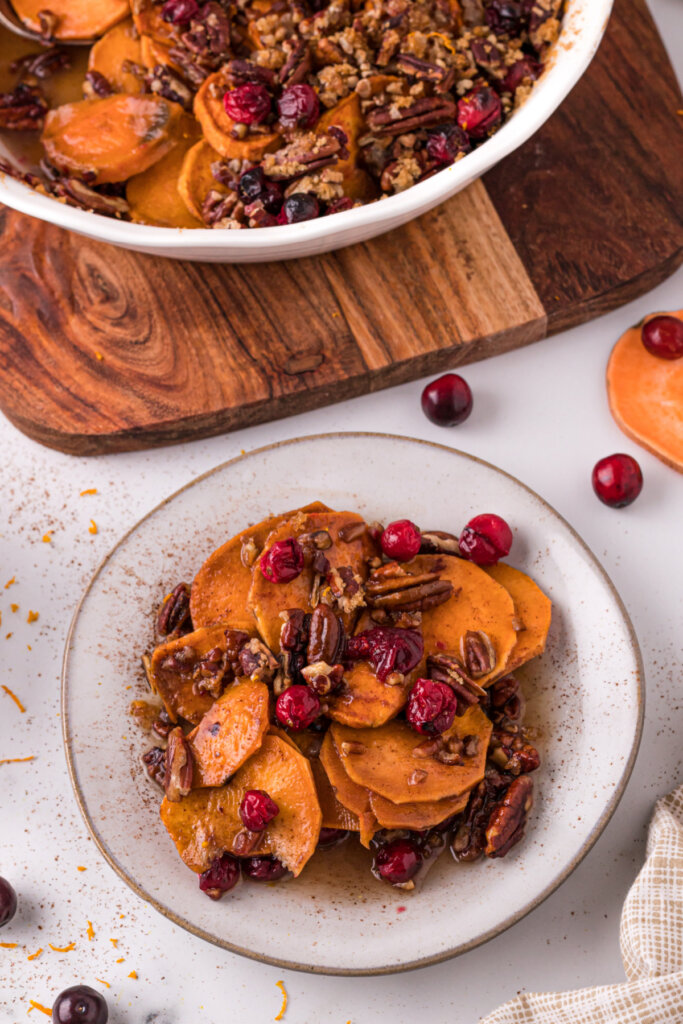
(104, 350)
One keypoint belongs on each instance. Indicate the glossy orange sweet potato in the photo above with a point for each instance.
(196, 179)
(149, 22)
(335, 815)
(348, 116)
(352, 796)
(154, 196)
(416, 816)
(218, 126)
(229, 733)
(75, 19)
(112, 54)
(533, 610)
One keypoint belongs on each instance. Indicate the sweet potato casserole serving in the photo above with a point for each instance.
(325, 678)
(252, 113)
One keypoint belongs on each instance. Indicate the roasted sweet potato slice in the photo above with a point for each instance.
(646, 397)
(149, 22)
(218, 126)
(365, 701)
(221, 587)
(75, 19)
(229, 733)
(479, 604)
(349, 794)
(416, 816)
(383, 760)
(154, 52)
(153, 196)
(267, 600)
(348, 116)
(532, 609)
(110, 140)
(196, 178)
(335, 815)
(112, 55)
(204, 824)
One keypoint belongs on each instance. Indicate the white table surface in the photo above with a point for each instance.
(541, 414)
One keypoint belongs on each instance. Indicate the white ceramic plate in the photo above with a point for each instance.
(584, 696)
(582, 30)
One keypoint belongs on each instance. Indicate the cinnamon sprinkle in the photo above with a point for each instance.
(14, 698)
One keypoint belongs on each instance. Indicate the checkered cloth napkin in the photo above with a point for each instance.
(651, 938)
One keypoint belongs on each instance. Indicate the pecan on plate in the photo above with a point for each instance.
(295, 629)
(178, 772)
(309, 152)
(437, 542)
(257, 661)
(441, 78)
(393, 589)
(23, 109)
(444, 668)
(174, 615)
(155, 764)
(469, 840)
(323, 678)
(42, 65)
(507, 700)
(77, 193)
(163, 82)
(326, 636)
(478, 653)
(394, 119)
(344, 589)
(510, 751)
(508, 820)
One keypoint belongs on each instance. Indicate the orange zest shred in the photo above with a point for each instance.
(39, 1006)
(120, 960)
(8, 945)
(133, 975)
(14, 697)
(81, 868)
(103, 982)
(8, 636)
(14, 607)
(88, 490)
(98, 355)
(47, 537)
(90, 932)
(114, 942)
(34, 956)
(93, 526)
(32, 616)
(62, 949)
(10, 582)
(281, 986)
(17, 760)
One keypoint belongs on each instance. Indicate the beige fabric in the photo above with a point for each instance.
(651, 937)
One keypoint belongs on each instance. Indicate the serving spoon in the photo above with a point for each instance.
(9, 19)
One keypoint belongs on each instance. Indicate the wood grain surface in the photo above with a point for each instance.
(107, 350)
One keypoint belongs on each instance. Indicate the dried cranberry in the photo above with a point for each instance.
(254, 186)
(617, 480)
(330, 837)
(299, 106)
(527, 67)
(222, 876)
(340, 205)
(485, 539)
(446, 142)
(663, 337)
(479, 112)
(398, 861)
(8, 902)
(80, 1005)
(248, 103)
(504, 17)
(431, 707)
(387, 649)
(257, 810)
(297, 707)
(180, 12)
(283, 562)
(299, 207)
(447, 401)
(401, 540)
(263, 869)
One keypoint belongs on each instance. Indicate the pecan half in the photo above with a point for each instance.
(257, 661)
(423, 113)
(508, 820)
(97, 85)
(444, 668)
(174, 615)
(326, 636)
(507, 700)
(437, 542)
(44, 64)
(308, 152)
(245, 842)
(155, 764)
(478, 653)
(178, 773)
(81, 195)
(423, 71)
(392, 588)
(23, 109)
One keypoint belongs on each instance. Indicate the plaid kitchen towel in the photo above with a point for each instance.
(651, 938)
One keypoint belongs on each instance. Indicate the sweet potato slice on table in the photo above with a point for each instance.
(196, 178)
(384, 761)
(153, 196)
(352, 796)
(204, 824)
(229, 733)
(111, 55)
(75, 19)
(532, 608)
(221, 587)
(479, 604)
(218, 126)
(111, 139)
(416, 816)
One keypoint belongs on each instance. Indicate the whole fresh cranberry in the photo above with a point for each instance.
(388, 650)
(663, 336)
(253, 185)
(299, 106)
(527, 67)
(80, 1005)
(504, 17)
(180, 12)
(330, 837)
(447, 401)
(257, 810)
(283, 562)
(398, 861)
(248, 103)
(297, 707)
(479, 112)
(486, 539)
(220, 877)
(8, 902)
(617, 480)
(299, 207)
(431, 707)
(340, 205)
(446, 142)
(263, 869)
(401, 540)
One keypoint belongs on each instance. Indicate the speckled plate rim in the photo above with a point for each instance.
(461, 948)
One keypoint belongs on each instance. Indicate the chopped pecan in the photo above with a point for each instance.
(345, 588)
(508, 820)
(478, 653)
(437, 542)
(155, 764)
(392, 588)
(416, 777)
(162, 81)
(507, 700)
(257, 661)
(510, 751)
(422, 70)
(351, 531)
(295, 629)
(47, 23)
(248, 552)
(174, 615)
(178, 773)
(79, 194)
(42, 65)
(23, 109)
(392, 119)
(350, 747)
(308, 152)
(444, 668)
(298, 63)
(245, 842)
(220, 210)
(97, 85)
(209, 672)
(326, 636)
(323, 678)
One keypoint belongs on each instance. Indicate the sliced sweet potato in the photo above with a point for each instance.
(149, 22)
(154, 51)
(335, 815)
(229, 733)
(112, 54)
(154, 197)
(416, 816)
(350, 795)
(533, 610)
(110, 140)
(218, 126)
(383, 760)
(75, 19)
(365, 701)
(348, 116)
(196, 178)
(221, 587)
(267, 600)
(479, 604)
(646, 397)
(204, 824)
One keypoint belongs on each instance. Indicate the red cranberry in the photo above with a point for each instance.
(527, 67)
(263, 869)
(479, 112)
(340, 205)
(257, 810)
(301, 206)
(401, 540)
(330, 837)
(663, 337)
(485, 539)
(297, 707)
(248, 103)
(222, 876)
(431, 707)
(180, 12)
(387, 649)
(504, 17)
(446, 142)
(617, 480)
(8, 902)
(253, 185)
(447, 401)
(283, 562)
(80, 1005)
(299, 106)
(397, 861)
